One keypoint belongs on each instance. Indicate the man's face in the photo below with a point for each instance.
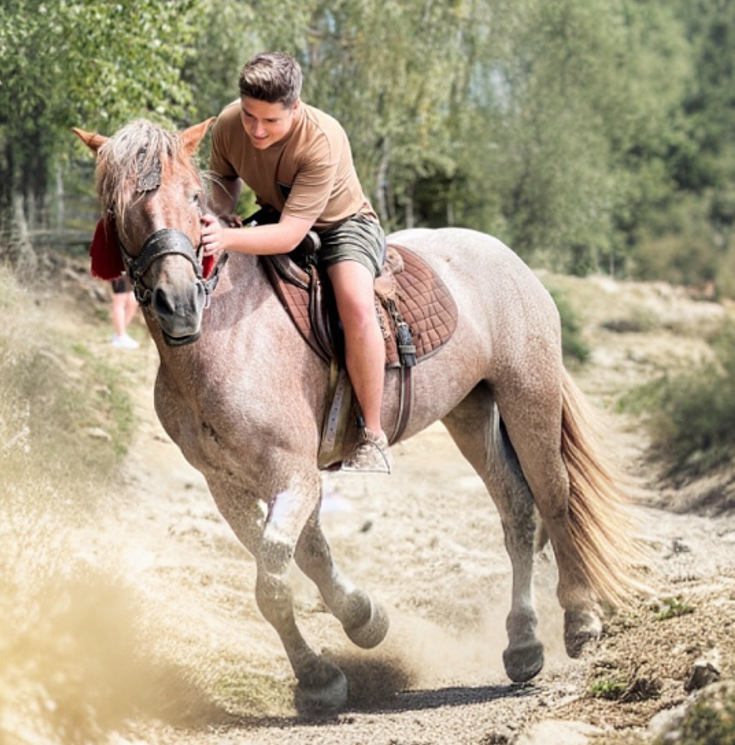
(266, 123)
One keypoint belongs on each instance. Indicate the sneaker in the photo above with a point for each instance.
(124, 342)
(371, 454)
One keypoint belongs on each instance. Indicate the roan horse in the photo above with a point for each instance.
(244, 397)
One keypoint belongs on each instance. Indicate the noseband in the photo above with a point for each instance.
(164, 242)
(168, 242)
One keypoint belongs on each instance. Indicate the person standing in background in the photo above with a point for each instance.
(124, 306)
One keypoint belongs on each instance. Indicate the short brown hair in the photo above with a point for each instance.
(273, 77)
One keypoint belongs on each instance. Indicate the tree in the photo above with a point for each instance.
(67, 62)
(573, 105)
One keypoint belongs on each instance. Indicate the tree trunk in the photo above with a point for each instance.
(15, 246)
(410, 217)
(381, 181)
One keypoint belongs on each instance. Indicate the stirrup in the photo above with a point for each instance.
(371, 455)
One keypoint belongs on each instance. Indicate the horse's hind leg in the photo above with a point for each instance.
(365, 622)
(531, 409)
(476, 428)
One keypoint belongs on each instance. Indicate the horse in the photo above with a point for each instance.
(243, 396)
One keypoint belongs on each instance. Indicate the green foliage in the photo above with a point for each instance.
(101, 64)
(226, 37)
(625, 687)
(588, 135)
(691, 416)
(73, 63)
(573, 345)
(671, 608)
(608, 688)
(710, 720)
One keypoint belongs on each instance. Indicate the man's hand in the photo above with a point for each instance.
(212, 235)
(279, 238)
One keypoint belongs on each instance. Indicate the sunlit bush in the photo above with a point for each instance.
(692, 416)
(573, 345)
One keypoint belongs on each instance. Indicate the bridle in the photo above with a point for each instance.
(164, 242)
(167, 242)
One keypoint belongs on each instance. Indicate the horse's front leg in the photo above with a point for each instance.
(365, 622)
(321, 684)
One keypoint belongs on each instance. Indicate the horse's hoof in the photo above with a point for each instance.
(522, 663)
(370, 633)
(327, 698)
(580, 628)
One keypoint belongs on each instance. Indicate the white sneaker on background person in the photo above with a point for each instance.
(124, 342)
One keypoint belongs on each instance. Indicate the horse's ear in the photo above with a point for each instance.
(92, 140)
(192, 136)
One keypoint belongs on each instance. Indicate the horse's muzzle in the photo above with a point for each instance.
(176, 292)
(178, 307)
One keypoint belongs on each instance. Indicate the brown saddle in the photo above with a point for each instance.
(416, 311)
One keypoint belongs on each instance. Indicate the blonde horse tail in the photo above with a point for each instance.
(603, 522)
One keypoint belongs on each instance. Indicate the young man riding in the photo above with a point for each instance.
(298, 161)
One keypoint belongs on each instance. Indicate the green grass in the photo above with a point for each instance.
(608, 688)
(671, 608)
(625, 687)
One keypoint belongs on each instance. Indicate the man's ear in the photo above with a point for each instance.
(92, 140)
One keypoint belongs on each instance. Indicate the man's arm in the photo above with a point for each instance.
(280, 238)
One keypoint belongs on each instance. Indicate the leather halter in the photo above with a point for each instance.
(164, 242)
(167, 242)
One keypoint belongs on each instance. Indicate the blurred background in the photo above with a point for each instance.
(588, 135)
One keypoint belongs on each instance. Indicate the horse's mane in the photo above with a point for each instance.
(134, 149)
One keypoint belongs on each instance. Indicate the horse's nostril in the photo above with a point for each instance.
(161, 303)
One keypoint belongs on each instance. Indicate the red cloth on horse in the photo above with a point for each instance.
(105, 253)
(107, 260)
(208, 264)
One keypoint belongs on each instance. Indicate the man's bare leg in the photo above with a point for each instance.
(364, 346)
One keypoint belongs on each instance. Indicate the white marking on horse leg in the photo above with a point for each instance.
(287, 513)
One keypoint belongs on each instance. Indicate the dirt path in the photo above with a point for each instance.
(427, 542)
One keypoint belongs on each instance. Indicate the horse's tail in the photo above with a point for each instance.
(602, 521)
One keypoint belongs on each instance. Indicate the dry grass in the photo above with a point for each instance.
(74, 663)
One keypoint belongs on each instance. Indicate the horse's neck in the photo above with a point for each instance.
(248, 347)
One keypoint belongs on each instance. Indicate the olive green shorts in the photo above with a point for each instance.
(358, 238)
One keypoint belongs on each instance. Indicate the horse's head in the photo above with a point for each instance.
(154, 196)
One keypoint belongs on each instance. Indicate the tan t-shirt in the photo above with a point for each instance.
(308, 174)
